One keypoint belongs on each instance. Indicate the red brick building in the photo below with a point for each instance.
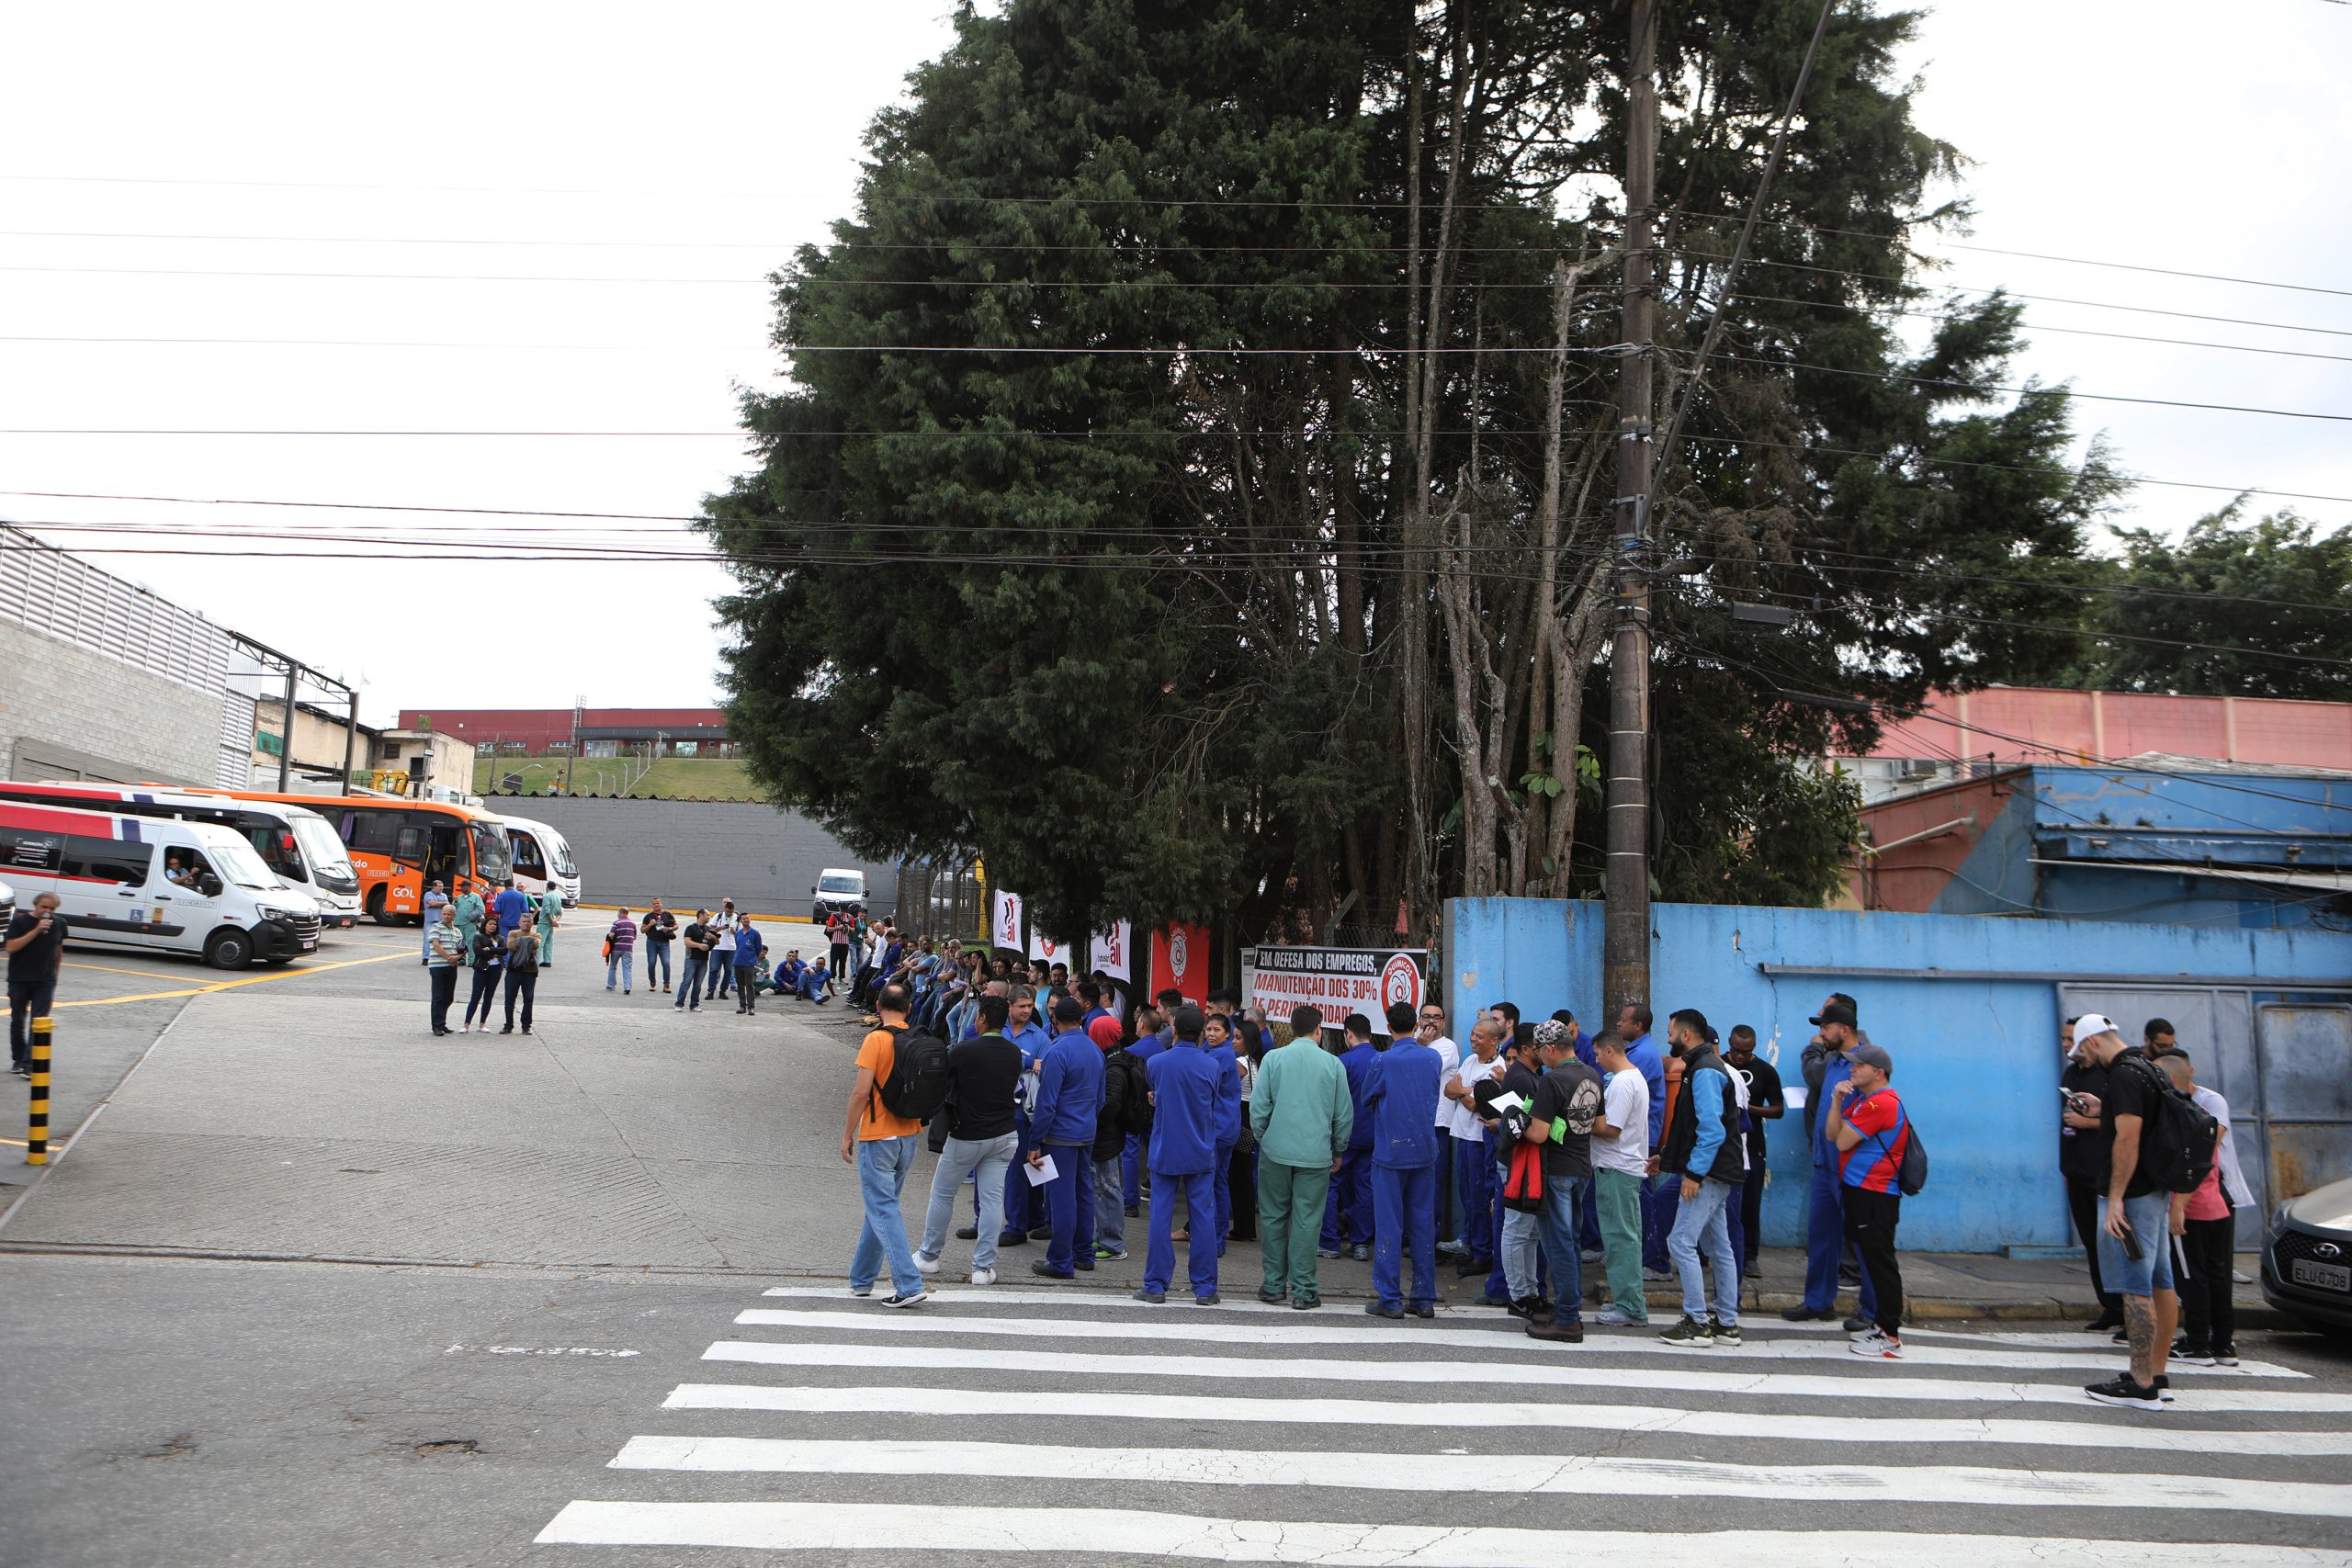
(598, 732)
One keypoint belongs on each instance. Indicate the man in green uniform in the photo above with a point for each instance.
(1301, 1113)
(470, 909)
(550, 914)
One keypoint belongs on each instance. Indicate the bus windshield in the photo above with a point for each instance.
(491, 860)
(330, 863)
(561, 856)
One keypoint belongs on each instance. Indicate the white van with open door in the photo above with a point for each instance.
(541, 856)
(838, 888)
(162, 885)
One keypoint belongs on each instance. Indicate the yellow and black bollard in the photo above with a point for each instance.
(37, 1139)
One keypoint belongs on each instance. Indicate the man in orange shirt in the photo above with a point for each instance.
(882, 1146)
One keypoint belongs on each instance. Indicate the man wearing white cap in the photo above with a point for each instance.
(2135, 1238)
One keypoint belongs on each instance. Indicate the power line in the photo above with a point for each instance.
(2038, 325)
(2059, 391)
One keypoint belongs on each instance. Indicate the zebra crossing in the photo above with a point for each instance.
(1075, 1425)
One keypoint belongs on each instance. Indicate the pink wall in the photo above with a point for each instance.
(2097, 725)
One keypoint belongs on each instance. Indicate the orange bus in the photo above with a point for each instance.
(399, 846)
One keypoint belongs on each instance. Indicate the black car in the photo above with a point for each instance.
(2307, 1256)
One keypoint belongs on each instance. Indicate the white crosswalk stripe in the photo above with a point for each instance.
(1094, 1532)
(1161, 1433)
(1186, 1323)
(1455, 1370)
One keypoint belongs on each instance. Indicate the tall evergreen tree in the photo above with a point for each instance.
(1197, 479)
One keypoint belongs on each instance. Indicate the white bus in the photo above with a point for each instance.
(542, 856)
(158, 884)
(300, 848)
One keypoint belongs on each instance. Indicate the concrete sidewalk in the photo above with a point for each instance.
(324, 1121)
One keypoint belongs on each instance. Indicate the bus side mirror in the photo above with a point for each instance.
(208, 885)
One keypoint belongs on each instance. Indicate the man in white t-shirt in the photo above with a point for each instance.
(1621, 1155)
(1473, 1165)
(1431, 1031)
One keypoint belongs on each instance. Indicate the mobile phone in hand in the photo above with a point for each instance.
(2131, 1247)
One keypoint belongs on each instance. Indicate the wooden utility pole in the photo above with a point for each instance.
(1625, 934)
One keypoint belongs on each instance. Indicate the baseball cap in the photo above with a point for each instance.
(1836, 1012)
(1874, 1054)
(1551, 1032)
(2092, 1024)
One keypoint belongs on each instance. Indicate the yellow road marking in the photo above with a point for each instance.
(225, 985)
(110, 969)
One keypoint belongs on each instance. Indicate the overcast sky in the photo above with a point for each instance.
(687, 150)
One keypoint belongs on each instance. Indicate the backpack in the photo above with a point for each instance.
(917, 1086)
(1135, 1109)
(2179, 1138)
(1523, 1185)
(1911, 1174)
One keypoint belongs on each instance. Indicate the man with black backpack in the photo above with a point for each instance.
(2153, 1164)
(901, 1079)
(1125, 1116)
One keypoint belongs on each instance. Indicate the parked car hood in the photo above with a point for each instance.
(2325, 1208)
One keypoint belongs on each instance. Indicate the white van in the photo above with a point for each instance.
(161, 885)
(838, 889)
(297, 843)
(542, 856)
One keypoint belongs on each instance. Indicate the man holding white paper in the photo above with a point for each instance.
(1070, 1094)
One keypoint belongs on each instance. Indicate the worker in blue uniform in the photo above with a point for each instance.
(1402, 1097)
(1188, 1105)
(1069, 1096)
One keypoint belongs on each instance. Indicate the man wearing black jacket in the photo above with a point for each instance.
(658, 927)
(1126, 1110)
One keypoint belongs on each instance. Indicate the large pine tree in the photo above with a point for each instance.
(1194, 489)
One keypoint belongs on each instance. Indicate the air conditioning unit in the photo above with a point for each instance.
(1918, 768)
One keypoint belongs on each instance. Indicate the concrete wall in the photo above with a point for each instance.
(1975, 1059)
(695, 853)
(67, 710)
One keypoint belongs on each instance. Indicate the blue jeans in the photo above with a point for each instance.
(882, 1167)
(1517, 1246)
(1700, 1228)
(2150, 1218)
(722, 972)
(1474, 1176)
(1110, 1209)
(690, 978)
(961, 1161)
(1131, 1173)
(1199, 1191)
(1824, 1244)
(657, 966)
(623, 964)
(1404, 1208)
(811, 986)
(1563, 1205)
(1069, 1207)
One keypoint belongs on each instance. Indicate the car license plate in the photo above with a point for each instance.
(308, 942)
(2323, 1276)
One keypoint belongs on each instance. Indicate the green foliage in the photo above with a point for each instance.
(2276, 584)
(1144, 629)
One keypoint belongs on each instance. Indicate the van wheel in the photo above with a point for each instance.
(228, 948)
(376, 907)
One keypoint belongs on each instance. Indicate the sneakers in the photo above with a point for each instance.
(1725, 1333)
(1615, 1316)
(1106, 1253)
(967, 1233)
(926, 1265)
(1154, 1297)
(1858, 1323)
(2189, 1355)
(2122, 1390)
(1885, 1347)
(1360, 1252)
(861, 1289)
(984, 1276)
(2225, 1355)
(2104, 1323)
(1807, 1315)
(1526, 1306)
(1689, 1332)
(1330, 1253)
(905, 1299)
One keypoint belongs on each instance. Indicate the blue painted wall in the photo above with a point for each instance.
(1976, 1061)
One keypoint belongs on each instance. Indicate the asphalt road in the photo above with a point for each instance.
(219, 1413)
(652, 1359)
